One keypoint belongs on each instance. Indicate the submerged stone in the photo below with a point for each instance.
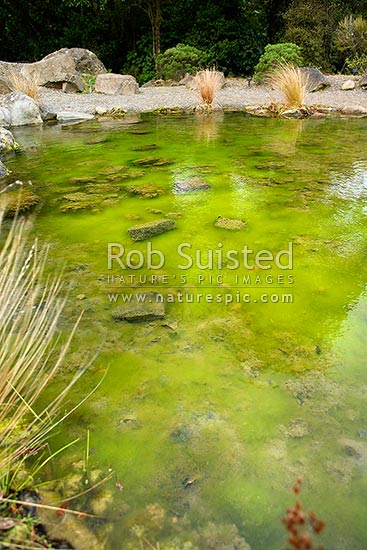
(3, 170)
(147, 230)
(148, 147)
(229, 223)
(147, 191)
(19, 200)
(137, 311)
(190, 184)
(152, 161)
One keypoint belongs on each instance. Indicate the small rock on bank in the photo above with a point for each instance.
(145, 231)
(138, 311)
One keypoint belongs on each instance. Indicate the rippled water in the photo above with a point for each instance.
(213, 412)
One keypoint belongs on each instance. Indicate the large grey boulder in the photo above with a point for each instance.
(316, 80)
(62, 69)
(116, 84)
(17, 109)
(7, 141)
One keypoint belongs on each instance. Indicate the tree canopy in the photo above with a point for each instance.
(129, 34)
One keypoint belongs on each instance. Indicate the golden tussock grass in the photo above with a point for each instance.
(26, 83)
(292, 82)
(208, 84)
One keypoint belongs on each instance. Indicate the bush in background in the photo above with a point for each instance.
(175, 62)
(277, 54)
(140, 62)
(350, 41)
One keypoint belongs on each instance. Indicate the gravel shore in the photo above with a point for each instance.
(234, 96)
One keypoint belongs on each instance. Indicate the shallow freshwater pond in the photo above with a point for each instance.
(207, 416)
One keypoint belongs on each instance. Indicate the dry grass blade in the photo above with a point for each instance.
(29, 312)
(208, 84)
(23, 82)
(292, 82)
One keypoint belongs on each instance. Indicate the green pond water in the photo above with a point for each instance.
(214, 411)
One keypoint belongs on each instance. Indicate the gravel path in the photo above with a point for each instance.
(235, 95)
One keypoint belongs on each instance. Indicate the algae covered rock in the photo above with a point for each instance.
(95, 197)
(7, 141)
(3, 170)
(142, 307)
(147, 230)
(19, 200)
(229, 223)
(190, 184)
(148, 191)
(151, 161)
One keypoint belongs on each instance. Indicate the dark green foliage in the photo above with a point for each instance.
(231, 34)
(350, 42)
(311, 24)
(276, 54)
(140, 62)
(175, 62)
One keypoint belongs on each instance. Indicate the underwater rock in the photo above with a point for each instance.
(83, 179)
(3, 170)
(151, 161)
(229, 223)
(297, 429)
(150, 229)
(80, 200)
(154, 211)
(148, 191)
(137, 312)
(19, 200)
(220, 537)
(182, 434)
(101, 188)
(355, 450)
(148, 147)
(190, 184)
(7, 141)
(173, 215)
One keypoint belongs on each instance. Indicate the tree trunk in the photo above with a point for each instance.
(155, 17)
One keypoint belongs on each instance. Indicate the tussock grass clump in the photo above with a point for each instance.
(26, 83)
(30, 309)
(292, 82)
(208, 83)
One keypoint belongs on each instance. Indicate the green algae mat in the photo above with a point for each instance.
(244, 368)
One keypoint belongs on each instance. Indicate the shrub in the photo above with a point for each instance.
(174, 63)
(140, 62)
(292, 82)
(351, 42)
(311, 25)
(276, 54)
